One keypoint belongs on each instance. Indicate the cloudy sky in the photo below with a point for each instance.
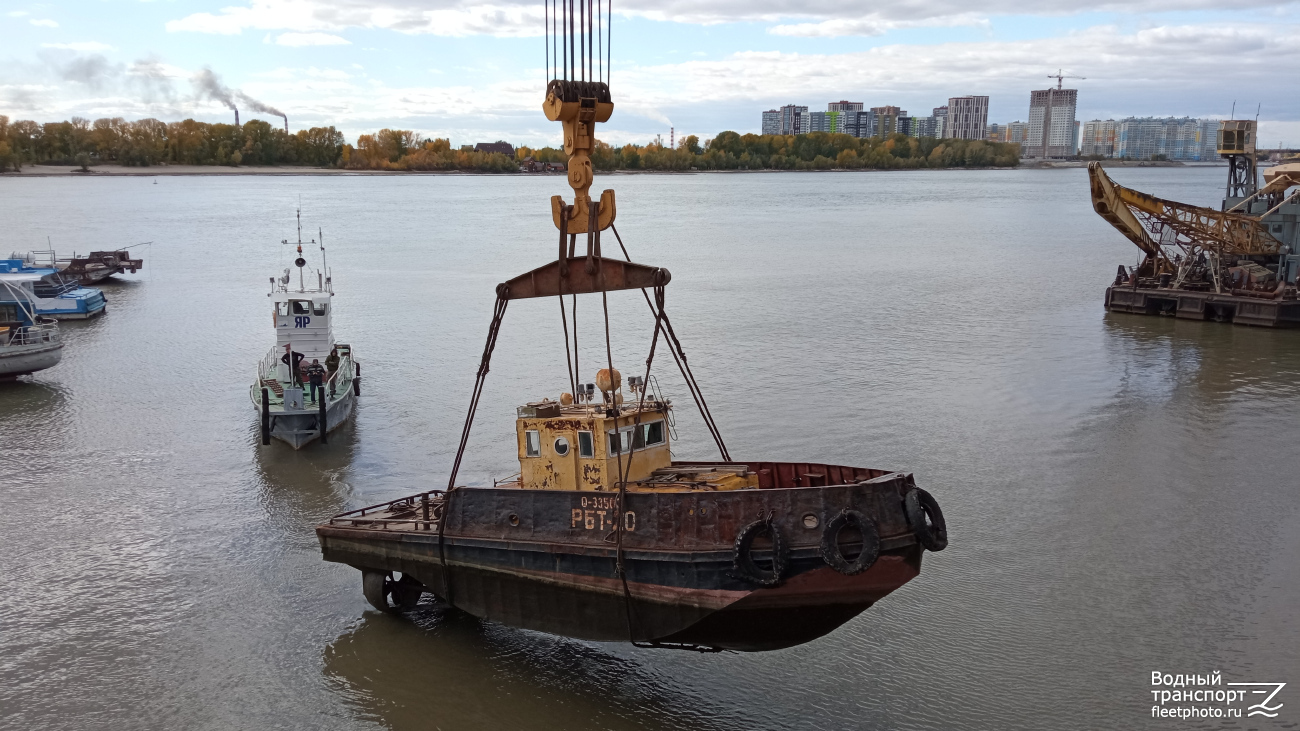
(474, 70)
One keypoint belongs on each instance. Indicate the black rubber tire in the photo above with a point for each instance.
(830, 548)
(743, 560)
(920, 505)
(375, 586)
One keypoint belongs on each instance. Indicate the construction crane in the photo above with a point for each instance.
(1183, 240)
(1060, 78)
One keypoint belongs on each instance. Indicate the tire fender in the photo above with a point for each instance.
(830, 548)
(926, 519)
(743, 559)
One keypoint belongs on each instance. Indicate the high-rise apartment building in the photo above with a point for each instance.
(1051, 123)
(886, 120)
(967, 118)
(1144, 138)
(834, 122)
(772, 122)
(1017, 132)
(940, 115)
(843, 106)
(795, 120)
(860, 123)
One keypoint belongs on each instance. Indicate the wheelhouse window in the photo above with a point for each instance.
(586, 445)
(654, 433)
(636, 437)
(620, 441)
(301, 307)
(532, 443)
(282, 308)
(318, 309)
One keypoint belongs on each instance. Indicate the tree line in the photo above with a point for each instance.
(147, 142)
(152, 142)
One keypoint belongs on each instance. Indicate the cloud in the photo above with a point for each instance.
(84, 46)
(44, 23)
(17, 13)
(319, 16)
(311, 39)
(1193, 62)
(871, 26)
(729, 11)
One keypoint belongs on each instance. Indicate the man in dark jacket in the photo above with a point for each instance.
(293, 359)
(316, 375)
(332, 361)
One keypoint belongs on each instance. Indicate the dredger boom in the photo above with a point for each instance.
(1155, 224)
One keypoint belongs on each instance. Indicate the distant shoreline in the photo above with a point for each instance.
(111, 171)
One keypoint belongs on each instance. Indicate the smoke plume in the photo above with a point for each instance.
(256, 106)
(210, 87)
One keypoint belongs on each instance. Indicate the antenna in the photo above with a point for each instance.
(321, 233)
(1233, 113)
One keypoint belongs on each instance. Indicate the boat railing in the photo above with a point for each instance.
(267, 367)
(45, 331)
(420, 512)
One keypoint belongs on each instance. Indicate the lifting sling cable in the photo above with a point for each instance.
(674, 347)
(621, 520)
(494, 329)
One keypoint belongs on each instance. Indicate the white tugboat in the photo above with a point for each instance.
(291, 409)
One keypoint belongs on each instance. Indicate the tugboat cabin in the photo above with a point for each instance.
(302, 319)
(568, 445)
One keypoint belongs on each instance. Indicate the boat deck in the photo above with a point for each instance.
(422, 511)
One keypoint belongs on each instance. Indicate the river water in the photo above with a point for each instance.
(1121, 491)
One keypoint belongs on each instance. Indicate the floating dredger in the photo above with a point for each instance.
(603, 536)
(1237, 265)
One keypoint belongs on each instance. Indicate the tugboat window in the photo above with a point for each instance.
(586, 445)
(654, 433)
(282, 308)
(318, 309)
(561, 446)
(532, 443)
(620, 441)
(301, 307)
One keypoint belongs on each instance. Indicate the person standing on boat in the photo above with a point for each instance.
(332, 361)
(293, 359)
(316, 375)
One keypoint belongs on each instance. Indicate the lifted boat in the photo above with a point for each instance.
(290, 409)
(603, 536)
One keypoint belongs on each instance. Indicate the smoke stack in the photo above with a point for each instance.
(286, 124)
(236, 117)
(672, 138)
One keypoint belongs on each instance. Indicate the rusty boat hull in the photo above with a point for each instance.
(547, 560)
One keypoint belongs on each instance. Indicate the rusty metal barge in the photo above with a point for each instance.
(603, 535)
(86, 270)
(1237, 265)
